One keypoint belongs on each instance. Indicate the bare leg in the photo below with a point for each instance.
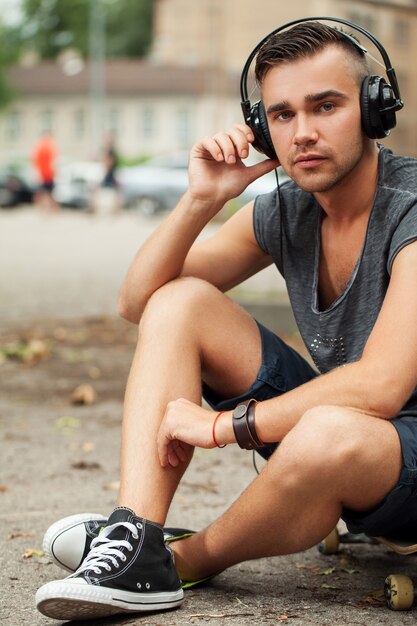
(189, 329)
(323, 464)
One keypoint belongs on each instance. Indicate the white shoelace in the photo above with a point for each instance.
(104, 550)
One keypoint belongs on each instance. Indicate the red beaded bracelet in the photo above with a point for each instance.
(214, 428)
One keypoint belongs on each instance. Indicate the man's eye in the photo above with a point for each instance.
(284, 115)
(327, 106)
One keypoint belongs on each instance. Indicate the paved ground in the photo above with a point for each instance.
(73, 263)
(58, 331)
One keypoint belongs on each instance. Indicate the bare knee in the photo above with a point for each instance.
(323, 444)
(178, 300)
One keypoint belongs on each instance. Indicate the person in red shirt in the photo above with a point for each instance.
(44, 157)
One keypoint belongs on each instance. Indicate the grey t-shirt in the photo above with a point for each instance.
(287, 227)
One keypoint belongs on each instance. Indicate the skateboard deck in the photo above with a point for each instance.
(400, 546)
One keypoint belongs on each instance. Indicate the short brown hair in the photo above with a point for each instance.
(302, 41)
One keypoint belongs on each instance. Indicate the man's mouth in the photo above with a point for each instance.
(306, 161)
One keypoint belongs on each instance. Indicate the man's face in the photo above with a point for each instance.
(314, 118)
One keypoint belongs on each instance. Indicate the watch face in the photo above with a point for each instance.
(240, 411)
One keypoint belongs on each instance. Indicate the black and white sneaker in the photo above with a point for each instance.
(68, 541)
(130, 568)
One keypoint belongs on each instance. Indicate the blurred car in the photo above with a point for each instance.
(76, 182)
(155, 186)
(158, 184)
(17, 186)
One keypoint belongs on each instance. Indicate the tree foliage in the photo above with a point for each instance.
(9, 53)
(51, 26)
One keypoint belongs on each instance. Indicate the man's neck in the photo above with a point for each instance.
(353, 197)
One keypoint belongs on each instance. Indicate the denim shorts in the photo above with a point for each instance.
(284, 369)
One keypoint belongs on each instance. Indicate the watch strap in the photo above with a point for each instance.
(244, 425)
(250, 418)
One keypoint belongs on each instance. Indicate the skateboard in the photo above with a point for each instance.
(398, 588)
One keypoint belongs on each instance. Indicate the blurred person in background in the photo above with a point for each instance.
(106, 199)
(44, 160)
(110, 161)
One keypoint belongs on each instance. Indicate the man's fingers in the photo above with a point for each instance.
(210, 145)
(226, 146)
(171, 451)
(230, 145)
(173, 459)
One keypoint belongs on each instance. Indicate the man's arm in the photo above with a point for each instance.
(380, 382)
(216, 174)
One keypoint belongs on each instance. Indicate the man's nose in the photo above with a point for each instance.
(305, 130)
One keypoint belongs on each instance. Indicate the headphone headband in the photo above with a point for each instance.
(388, 67)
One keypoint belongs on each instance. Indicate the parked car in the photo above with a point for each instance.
(76, 182)
(155, 186)
(158, 184)
(17, 186)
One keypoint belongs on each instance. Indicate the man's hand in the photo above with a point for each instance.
(216, 171)
(184, 426)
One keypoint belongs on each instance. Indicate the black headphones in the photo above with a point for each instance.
(379, 100)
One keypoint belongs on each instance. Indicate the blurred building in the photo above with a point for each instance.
(147, 108)
(222, 33)
(189, 85)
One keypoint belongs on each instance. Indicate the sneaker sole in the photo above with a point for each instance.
(72, 601)
(55, 531)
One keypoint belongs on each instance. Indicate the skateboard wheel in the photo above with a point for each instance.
(399, 592)
(330, 544)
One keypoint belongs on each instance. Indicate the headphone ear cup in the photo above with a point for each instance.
(259, 125)
(377, 95)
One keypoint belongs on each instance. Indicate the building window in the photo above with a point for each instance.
(183, 126)
(46, 121)
(113, 121)
(148, 122)
(13, 126)
(79, 123)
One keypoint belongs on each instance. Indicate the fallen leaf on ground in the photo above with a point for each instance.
(30, 553)
(84, 394)
(15, 535)
(86, 465)
(344, 560)
(112, 486)
(375, 599)
(29, 352)
(3, 488)
(88, 446)
(67, 424)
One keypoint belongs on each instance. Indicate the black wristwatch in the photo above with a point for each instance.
(244, 425)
